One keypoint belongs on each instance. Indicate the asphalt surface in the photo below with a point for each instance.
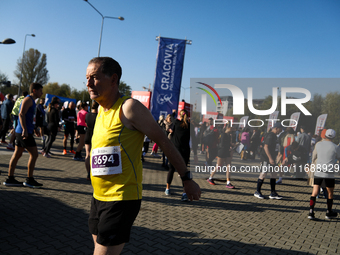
(53, 220)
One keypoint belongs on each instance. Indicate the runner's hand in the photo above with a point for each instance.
(24, 134)
(192, 190)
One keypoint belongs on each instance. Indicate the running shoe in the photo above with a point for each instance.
(31, 183)
(72, 151)
(211, 181)
(4, 142)
(331, 215)
(78, 158)
(274, 195)
(10, 147)
(279, 181)
(64, 152)
(46, 155)
(230, 186)
(184, 198)
(258, 195)
(167, 192)
(311, 216)
(12, 183)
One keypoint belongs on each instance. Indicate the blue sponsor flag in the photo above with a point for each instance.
(168, 77)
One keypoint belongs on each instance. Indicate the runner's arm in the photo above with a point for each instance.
(266, 149)
(136, 116)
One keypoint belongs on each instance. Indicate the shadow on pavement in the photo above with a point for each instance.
(147, 241)
(31, 224)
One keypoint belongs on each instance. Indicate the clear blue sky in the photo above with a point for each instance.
(239, 39)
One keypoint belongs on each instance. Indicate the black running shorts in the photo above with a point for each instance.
(330, 183)
(69, 129)
(28, 142)
(81, 130)
(88, 136)
(111, 222)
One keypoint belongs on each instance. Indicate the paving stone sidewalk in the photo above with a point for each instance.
(53, 220)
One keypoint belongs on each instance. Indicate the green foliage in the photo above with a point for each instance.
(124, 89)
(7, 90)
(3, 77)
(34, 68)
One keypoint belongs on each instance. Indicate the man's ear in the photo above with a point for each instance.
(114, 79)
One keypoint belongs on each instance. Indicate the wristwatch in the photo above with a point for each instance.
(187, 176)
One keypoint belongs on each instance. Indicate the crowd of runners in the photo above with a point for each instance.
(283, 152)
(215, 142)
(117, 136)
(28, 116)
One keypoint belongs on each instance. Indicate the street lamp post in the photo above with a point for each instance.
(185, 90)
(103, 17)
(22, 63)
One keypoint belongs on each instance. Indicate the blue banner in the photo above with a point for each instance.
(168, 77)
(48, 99)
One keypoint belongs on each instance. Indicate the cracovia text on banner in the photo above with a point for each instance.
(168, 77)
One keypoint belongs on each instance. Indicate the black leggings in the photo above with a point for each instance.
(50, 139)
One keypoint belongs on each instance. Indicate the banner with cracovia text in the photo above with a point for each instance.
(168, 77)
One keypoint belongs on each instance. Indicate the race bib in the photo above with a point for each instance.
(106, 161)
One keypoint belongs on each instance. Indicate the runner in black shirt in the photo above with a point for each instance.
(69, 116)
(268, 156)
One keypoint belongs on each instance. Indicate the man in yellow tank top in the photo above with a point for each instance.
(116, 166)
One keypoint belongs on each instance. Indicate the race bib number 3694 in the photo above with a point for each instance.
(106, 161)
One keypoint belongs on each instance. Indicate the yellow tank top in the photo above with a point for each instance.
(116, 166)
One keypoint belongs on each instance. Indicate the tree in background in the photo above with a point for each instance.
(34, 68)
(124, 89)
(54, 88)
(3, 77)
(64, 90)
(4, 89)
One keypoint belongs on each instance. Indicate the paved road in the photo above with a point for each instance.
(53, 220)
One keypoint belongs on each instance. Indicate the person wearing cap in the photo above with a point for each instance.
(326, 153)
(268, 156)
